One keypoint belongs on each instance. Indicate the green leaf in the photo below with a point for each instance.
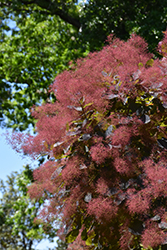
(71, 236)
(89, 241)
(150, 63)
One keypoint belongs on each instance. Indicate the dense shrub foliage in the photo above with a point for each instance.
(106, 142)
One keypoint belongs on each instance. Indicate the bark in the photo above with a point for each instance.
(53, 9)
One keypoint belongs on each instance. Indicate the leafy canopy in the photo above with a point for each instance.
(17, 214)
(106, 142)
(26, 60)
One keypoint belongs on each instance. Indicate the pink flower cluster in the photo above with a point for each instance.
(106, 136)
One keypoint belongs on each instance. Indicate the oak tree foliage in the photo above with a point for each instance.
(105, 137)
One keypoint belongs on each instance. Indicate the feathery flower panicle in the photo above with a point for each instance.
(122, 166)
(102, 186)
(99, 153)
(139, 202)
(152, 237)
(121, 136)
(102, 209)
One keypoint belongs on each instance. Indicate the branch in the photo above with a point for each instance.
(53, 9)
(67, 18)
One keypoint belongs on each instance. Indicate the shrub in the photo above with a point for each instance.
(106, 175)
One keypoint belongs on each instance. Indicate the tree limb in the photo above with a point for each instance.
(53, 9)
(67, 18)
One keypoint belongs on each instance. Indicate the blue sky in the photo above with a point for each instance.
(10, 160)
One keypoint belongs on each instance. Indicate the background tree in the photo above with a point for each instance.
(17, 214)
(49, 34)
(106, 142)
(26, 59)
